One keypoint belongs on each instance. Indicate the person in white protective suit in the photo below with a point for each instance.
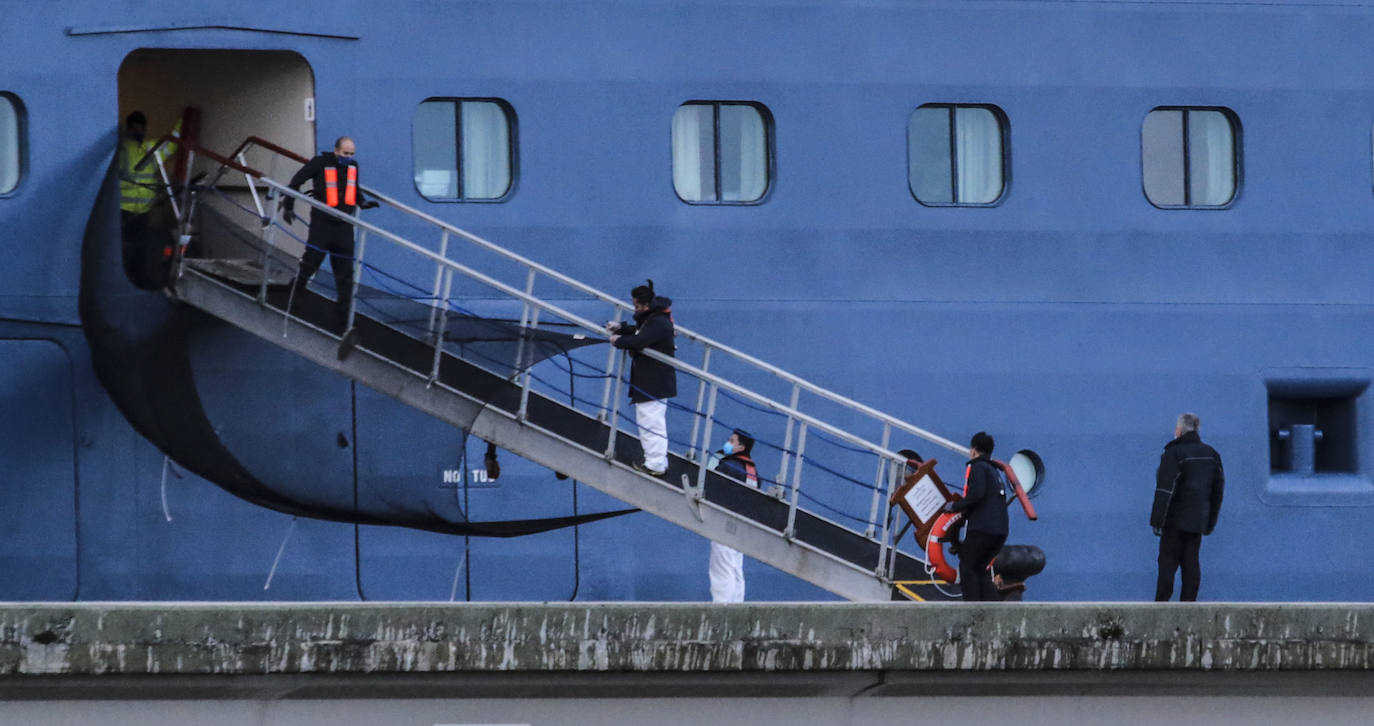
(726, 565)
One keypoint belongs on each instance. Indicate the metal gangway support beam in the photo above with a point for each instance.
(583, 438)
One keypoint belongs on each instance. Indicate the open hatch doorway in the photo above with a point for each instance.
(232, 95)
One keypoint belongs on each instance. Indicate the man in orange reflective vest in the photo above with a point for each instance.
(335, 178)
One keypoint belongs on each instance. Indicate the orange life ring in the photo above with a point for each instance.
(935, 549)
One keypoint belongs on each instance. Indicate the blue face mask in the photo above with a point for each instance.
(726, 448)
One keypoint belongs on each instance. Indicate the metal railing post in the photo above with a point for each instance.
(519, 360)
(705, 440)
(357, 278)
(696, 420)
(878, 484)
(894, 481)
(615, 407)
(524, 321)
(269, 230)
(252, 188)
(434, 296)
(787, 437)
(791, 530)
(883, 544)
(439, 338)
(610, 363)
(167, 183)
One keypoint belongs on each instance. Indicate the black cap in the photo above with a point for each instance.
(136, 117)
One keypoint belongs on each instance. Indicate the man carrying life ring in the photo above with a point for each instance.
(984, 511)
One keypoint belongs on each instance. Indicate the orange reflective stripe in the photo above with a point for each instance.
(331, 186)
(350, 191)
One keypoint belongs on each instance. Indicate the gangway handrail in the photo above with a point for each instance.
(688, 368)
(625, 307)
(690, 334)
(773, 370)
(701, 374)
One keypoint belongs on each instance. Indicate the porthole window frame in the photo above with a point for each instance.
(769, 145)
(513, 139)
(1237, 158)
(1004, 138)
(21, 133)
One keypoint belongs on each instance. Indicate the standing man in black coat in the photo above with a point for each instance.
(335, 178)
(1188, 489)
(985, 520)
(652, 382)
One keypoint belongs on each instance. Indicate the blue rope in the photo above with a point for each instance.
(748, 404)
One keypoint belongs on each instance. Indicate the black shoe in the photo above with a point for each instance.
(644, 469)
(349, 342)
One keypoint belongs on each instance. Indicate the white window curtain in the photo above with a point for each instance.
(9, 145)
(743, 154)
(486, 150)
(693, 153)
(1211, 158)
(978, 143)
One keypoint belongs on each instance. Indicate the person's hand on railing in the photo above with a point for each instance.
(288, 211)
(369, 204)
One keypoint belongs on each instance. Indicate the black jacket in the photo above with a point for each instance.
(985, 498)
(314, 170)
(650, 380)
(1188, 486)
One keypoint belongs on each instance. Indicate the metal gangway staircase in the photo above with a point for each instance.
(788, 522)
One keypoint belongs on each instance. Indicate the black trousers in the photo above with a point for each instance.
(1178, 549)
(328, 236)
(975, 554)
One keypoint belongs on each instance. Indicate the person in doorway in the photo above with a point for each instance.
(652, 382)
(1188, 489)
(145, 253)
(726, 564)
(139, 186)
(334, 175)
(984, 505)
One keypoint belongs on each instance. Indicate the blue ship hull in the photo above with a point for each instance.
(1072, 317)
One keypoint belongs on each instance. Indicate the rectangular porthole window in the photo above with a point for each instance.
(721, 152)
(11, 138)
(463, 149)
(956, 155)
(1189, 157)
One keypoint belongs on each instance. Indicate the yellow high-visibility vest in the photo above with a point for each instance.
(138, 188)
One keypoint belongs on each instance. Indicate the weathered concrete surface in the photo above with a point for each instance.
(114, 639)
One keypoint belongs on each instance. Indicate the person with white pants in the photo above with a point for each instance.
(726, 564)
(652, 382)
